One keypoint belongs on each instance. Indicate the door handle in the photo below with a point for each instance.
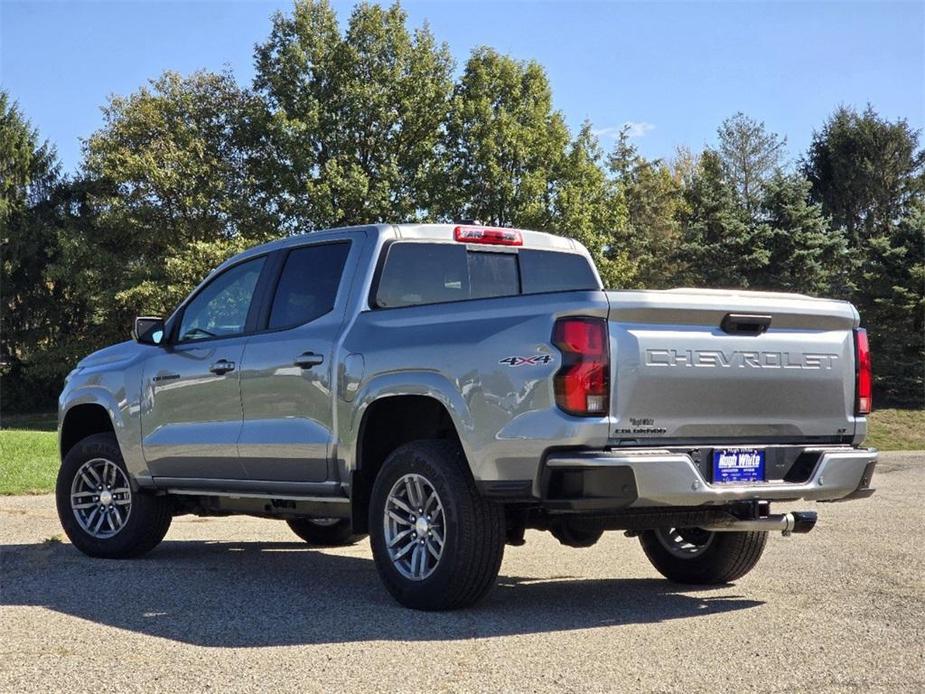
(222, 366)
(307, 360)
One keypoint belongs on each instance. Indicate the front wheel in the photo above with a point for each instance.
(437, 543)
(100, 512)
(696, 556)
(324, 532)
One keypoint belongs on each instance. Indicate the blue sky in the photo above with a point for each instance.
(674, 70)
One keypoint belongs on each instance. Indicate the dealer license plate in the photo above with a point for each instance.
(738, 465)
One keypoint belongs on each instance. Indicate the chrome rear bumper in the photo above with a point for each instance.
(665, 478)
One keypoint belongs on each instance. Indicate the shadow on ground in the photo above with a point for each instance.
(268, 594)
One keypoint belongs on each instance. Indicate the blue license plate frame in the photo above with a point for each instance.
(738, 465)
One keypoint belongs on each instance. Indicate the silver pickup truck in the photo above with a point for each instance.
(442, 388)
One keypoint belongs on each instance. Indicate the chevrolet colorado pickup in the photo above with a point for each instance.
(442, 388)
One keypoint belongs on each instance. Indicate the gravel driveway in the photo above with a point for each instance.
(239, 603)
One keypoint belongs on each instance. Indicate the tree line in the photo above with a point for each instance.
(371, 122)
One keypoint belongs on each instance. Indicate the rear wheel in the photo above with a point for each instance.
(100, 512)
(696, 556)
(325, 532)
(437, 543)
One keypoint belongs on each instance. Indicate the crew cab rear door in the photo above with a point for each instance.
(288, 375)
(731, 366)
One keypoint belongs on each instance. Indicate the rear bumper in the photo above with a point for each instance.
(661, 478)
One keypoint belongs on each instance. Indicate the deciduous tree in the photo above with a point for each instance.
(351, 122)
(168, 169)
(504, 144)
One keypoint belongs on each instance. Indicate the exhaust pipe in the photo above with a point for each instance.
(786, 523)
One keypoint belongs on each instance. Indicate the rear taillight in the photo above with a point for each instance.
(582, 385)
(863, 384)
(490, 236)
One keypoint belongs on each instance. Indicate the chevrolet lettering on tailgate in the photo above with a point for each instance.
(726, 360)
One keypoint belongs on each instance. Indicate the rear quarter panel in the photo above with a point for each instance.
(505, 414)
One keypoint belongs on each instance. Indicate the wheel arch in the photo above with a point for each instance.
(83, 420)
(388, 421)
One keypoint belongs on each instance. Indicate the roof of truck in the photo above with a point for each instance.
(420, 232)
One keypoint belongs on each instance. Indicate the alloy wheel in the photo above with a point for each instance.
(101, 498)
(415, 527)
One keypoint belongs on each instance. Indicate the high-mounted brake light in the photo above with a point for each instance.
(582, 385)
(863, 385)
(495, 237)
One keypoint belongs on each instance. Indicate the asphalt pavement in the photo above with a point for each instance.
(242, 604)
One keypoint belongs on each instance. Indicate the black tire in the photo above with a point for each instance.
(336, 534)
(147, 522)
(724, 557)
(474, 532)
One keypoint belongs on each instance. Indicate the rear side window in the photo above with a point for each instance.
(430, 273)
(423, 273)
(548, 271)
(308, 284)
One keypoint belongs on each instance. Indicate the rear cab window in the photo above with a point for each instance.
(417, 273)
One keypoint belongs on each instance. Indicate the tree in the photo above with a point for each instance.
(805, 253)
(652, 196)
(865, 171)
(503, 145)
(893, 309)
(168, 169)
(719, 247)
(29, 219)
(586, 208)
(869, 176)
(351, 122)
(750, 155)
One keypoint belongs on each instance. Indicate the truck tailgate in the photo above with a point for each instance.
(711, 366)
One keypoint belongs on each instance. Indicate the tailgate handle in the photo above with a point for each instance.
(745, 323)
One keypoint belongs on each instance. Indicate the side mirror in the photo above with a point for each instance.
(149, 330)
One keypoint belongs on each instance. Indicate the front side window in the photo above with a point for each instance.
(308, 284)
(221, 308)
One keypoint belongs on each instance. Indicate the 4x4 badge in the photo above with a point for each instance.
(527, 361)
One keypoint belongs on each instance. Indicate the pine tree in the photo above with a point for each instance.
(751, 155)
(869, 176)
(805, 253)
(586, 208)
(719, 247)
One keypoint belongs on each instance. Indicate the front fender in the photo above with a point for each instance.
(122, 414)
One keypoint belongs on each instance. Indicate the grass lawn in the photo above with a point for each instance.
(897, 430)
(29, 446)
(28, 461)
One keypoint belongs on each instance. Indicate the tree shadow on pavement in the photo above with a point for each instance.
(250, 594)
